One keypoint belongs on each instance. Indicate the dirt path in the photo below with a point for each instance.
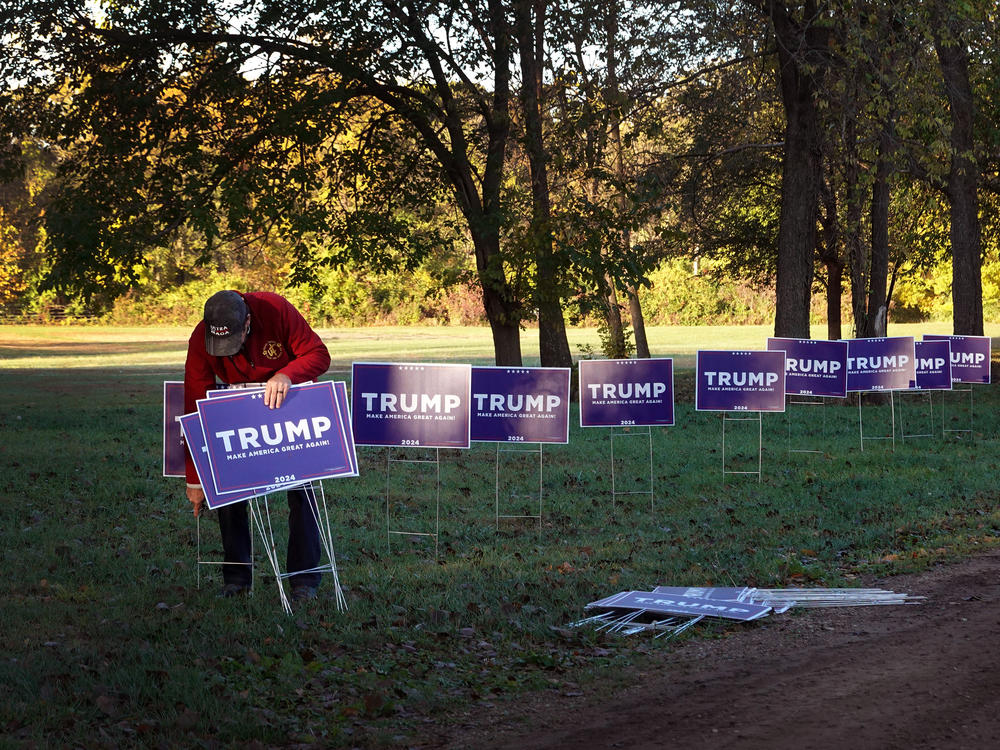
(918, 676)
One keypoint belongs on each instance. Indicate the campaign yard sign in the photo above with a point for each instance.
(617, 392)
(813, 367)
(970, 357)
(669, 604)
(725, 593)
(730, 594)
(251, 446)
(881, 364)
(190, 425)
(425, 405)
(173, 438)
(520, 404)
(740, 381)
(933, 366)
(343, 406)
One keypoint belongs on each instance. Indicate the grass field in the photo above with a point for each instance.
(48, 347)
(109, 641)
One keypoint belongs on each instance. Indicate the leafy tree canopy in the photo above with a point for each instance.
(237, 120)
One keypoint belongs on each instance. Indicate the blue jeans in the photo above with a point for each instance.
(303, 540)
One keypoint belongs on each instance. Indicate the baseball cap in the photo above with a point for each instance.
(225, 314)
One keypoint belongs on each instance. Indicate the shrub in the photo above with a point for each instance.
(677, 296)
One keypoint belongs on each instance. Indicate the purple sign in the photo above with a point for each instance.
(520, 404)
(933, 365)
(626, 392)
(669, 604)
(425, 405)
(970, 357)
(726, 593)
(343, 405)
(884, 364)
(251, 446)
(731, 594)
(740, 381)
(813, 367)
(174, 450)
(190, 425)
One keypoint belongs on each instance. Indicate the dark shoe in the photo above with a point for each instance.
(234, 589)
(303, 593)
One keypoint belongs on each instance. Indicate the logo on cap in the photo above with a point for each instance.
(218, 330)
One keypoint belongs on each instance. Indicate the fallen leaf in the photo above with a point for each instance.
(107, 704)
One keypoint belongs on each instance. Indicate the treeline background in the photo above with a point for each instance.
(676, 295)
(663, 128)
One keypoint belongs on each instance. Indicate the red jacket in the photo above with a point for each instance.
(280, 340)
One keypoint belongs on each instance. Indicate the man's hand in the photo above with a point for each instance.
(197, 497)
(276, 389)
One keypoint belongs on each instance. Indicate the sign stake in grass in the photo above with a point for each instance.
(804, 401)
(390, 532)
(212, 562)
(648, 434)
(318, 508)
(892, 421)
(533, 451)
(760, 443)
(928, 398)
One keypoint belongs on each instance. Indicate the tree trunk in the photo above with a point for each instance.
(878, 278)
(829, 253)
(834, 299)
(613, 316)
(638, 323)
(856, 254)
(501, 308)
(801, 170)
(482, 210)
(962, 190)
(612, 99)
(553, 344)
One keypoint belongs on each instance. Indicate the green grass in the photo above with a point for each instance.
(108, 641)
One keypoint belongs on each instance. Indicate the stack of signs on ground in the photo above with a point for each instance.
(664, 607)
(670, 609)
(745, 595)
(243, 449)
(781, 600)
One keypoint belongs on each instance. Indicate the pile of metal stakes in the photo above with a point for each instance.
(670, 610)
(801, 597)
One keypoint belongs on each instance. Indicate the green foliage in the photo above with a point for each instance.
(928, 294)
(336, 297)
(677, 296)
(12, 282)
(608, 346)
(339, 297)
(180, 305)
